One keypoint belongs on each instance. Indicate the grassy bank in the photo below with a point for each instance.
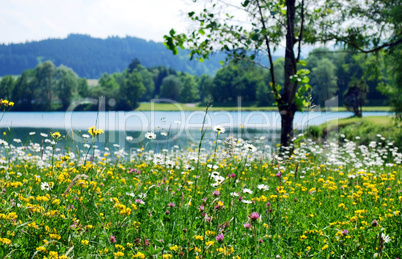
(364, 129)
(196, 107)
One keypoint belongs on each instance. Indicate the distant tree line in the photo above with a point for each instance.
(346, 75)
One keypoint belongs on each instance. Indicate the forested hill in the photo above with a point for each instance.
(91, 57)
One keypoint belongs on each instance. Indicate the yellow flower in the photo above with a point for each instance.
(167, 256)
(53, 254)
(324, 247)
(175, 248)
(55, 135)
(209, 233)
(119, 254)
(94, 132)
(210, 243)
(199, 238)
(84, 242)
(139, 255)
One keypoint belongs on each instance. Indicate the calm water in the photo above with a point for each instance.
(183, 128)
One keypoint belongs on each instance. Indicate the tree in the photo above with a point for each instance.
(323, 81)
(44, 84)
(66, 85)
(131, 89)
(171, 88)
(7, 84)
(24, 91)
(269, 23)
(205, 86)
(355, 96)
(189, 92)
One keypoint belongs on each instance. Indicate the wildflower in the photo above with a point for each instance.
(129, 138)
(374, 223)
(164, 133)
(247, 225)
(254, 216)
(55, 135)
(150, 135)
(245, 190)
(219, 129)
(94, 132)
(44, 135)
(250, 148)
(385, 238)
(45, 186)
(324, 247)
(84, 242)
(219, 238)
(263, 187)
(219, 205)
(139, 201)
(171, 204)
(210, 243)
(112, 239)
(345, 232)
(199, 238)
(119, 254)
(216, 193)
(175, 248)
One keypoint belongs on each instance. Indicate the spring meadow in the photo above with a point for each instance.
(223, 129)
(229, 199)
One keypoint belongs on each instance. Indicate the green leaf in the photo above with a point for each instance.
(305, 80)
(222, 62)
(201, 31)
(302, 63)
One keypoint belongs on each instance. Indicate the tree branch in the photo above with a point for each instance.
(271, 63)
(300, 32)
(385, 45)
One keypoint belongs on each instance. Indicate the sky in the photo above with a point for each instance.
(33, 20)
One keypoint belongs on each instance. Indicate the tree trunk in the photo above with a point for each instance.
(287, 117)
(287, 106)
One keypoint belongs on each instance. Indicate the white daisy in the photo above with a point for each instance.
(150, 135)
(129, 138)
(386, 238)
(245, 190)
(45, 186)
(219, 129)
(263, 187)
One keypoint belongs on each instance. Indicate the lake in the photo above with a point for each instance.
(182, 128)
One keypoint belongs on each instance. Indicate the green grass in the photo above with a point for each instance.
(366, 129)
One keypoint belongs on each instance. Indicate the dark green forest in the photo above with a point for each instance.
(48, 87)
(91, 57)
